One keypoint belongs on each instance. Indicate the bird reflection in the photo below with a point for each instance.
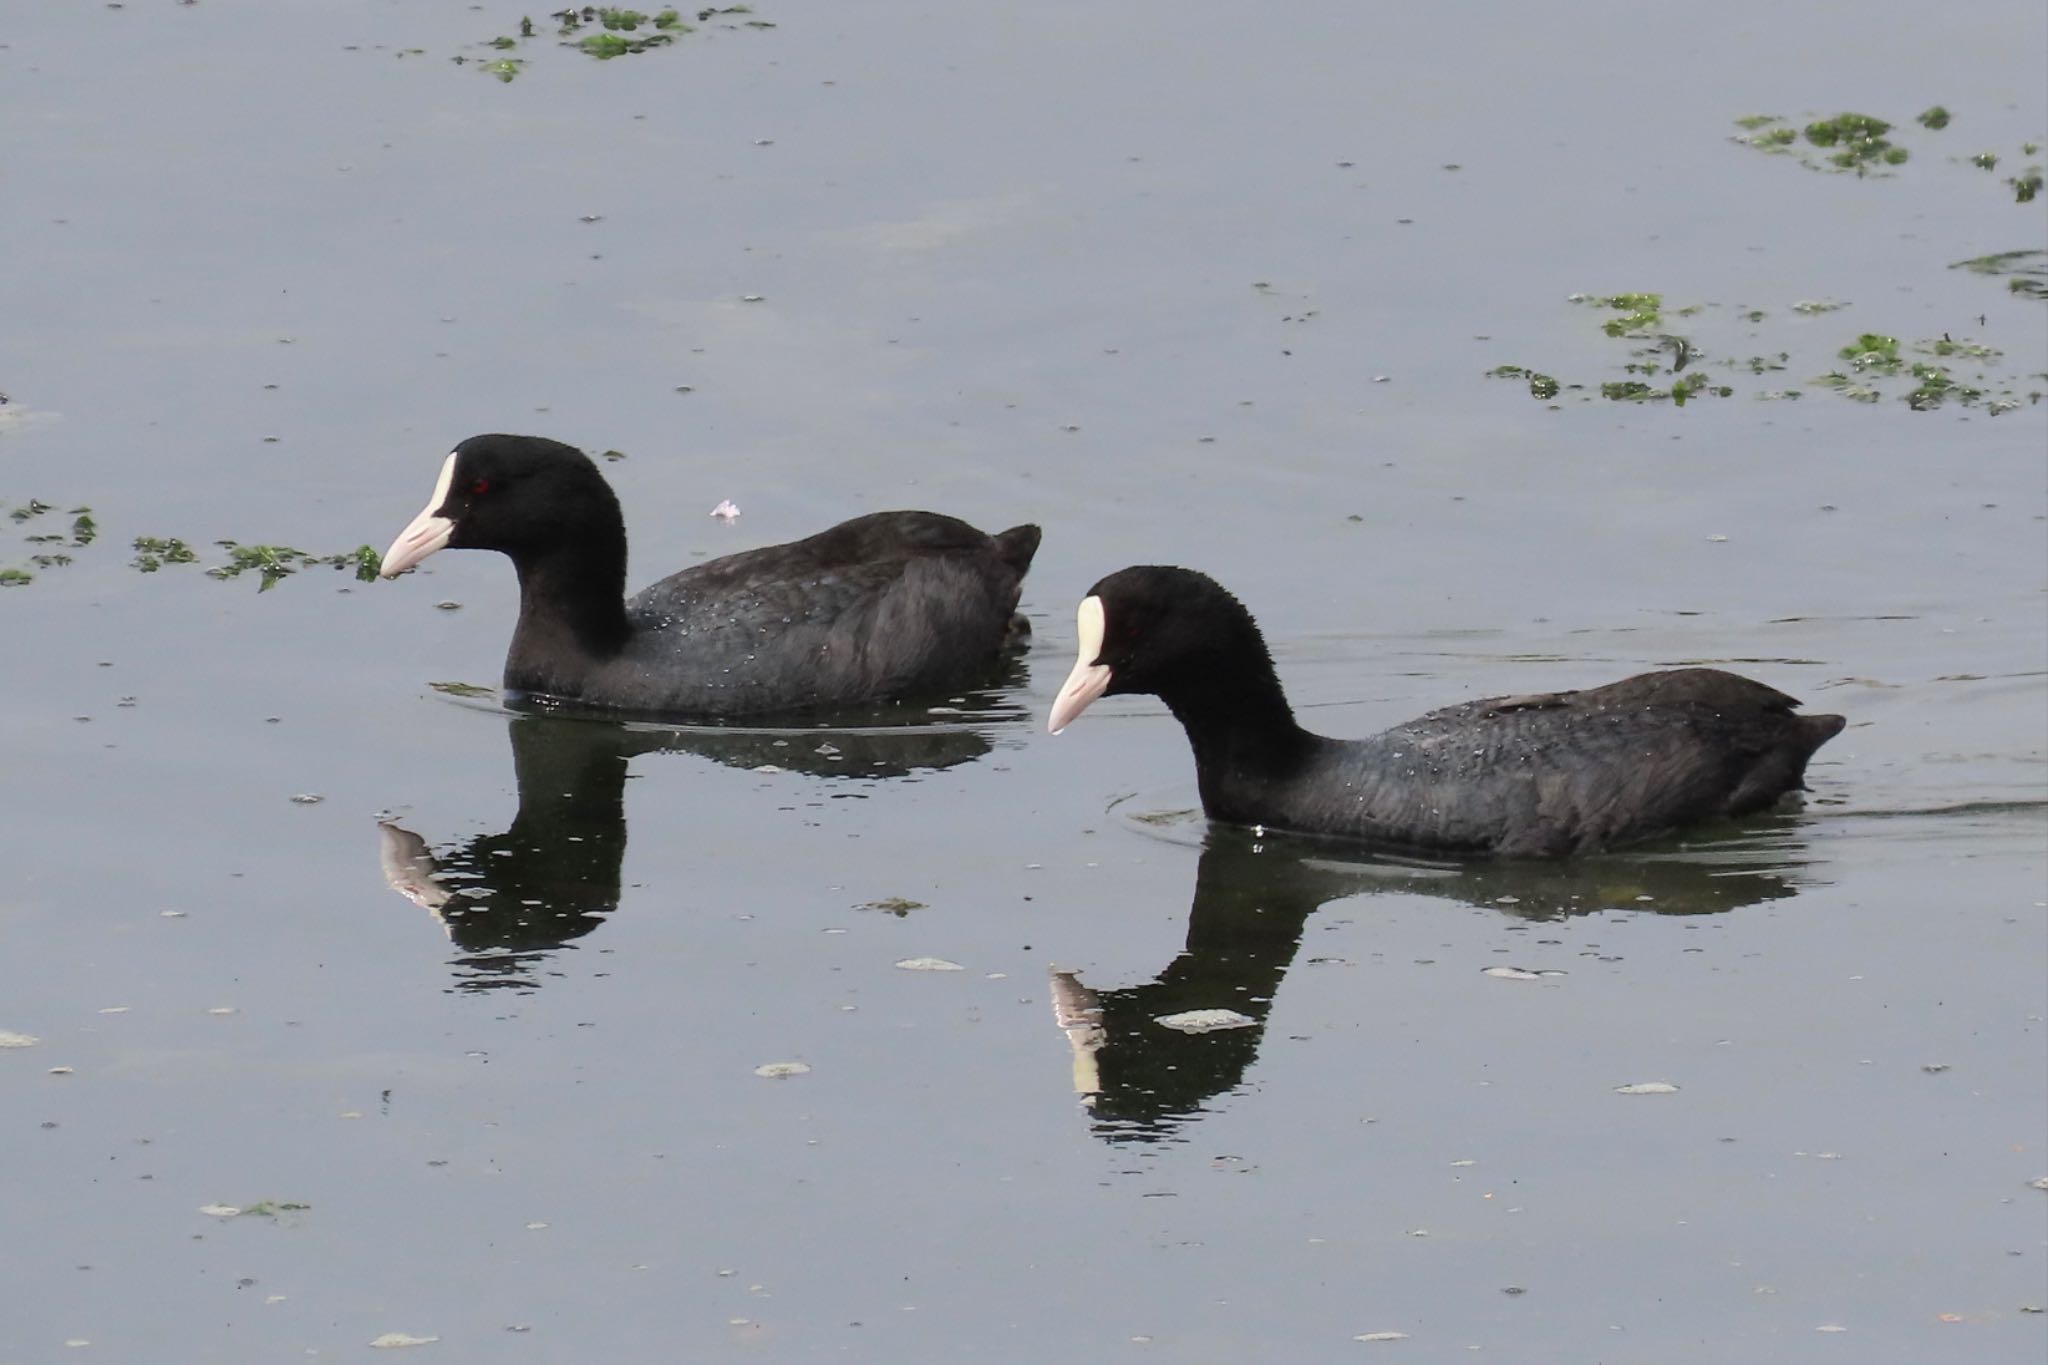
(1141, 1079)
(510, 900)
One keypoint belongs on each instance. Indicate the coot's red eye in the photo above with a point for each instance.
(480, 487)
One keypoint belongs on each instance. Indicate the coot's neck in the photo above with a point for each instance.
(572, 615)
(1239, 723)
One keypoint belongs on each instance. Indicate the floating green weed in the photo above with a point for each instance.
(1859, 140)
(53, 546)
(1638, 316)
(274, 562)
(1639, 312)
(609, 31)
(1850, 142)
(2025, 271)
(1936, 118)
(1679, 394)
(1873, 354)
(1541, 386)
(892, 905)
(1663, 367)
(153, 552)
(463, 689)
(1873, 357)
(2025, 185)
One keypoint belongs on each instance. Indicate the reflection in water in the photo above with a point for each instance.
(508, 900)
(1140, 1079)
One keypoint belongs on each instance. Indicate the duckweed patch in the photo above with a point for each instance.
(1664, 367)
(1872, 357)
(1640, 317)
(48, 548)
(1541, 386)
(53, 549)
(1846, 142)
(274, 562)
(898, 906)
(605, 32)
(1867, 145)
(153, 552)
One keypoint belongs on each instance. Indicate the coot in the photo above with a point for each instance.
(1543, 774)
(888, 605)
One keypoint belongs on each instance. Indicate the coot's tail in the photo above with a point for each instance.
(1016, 546)
(1813, 732)
(1780, 767)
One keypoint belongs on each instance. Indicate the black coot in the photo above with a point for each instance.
(1548, 773)
(889, 605)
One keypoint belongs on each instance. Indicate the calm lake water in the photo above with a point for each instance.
(472, 1039)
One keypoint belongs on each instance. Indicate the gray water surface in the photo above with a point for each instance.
(1186, 283)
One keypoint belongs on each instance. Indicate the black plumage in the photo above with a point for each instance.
(1541, 774)
(888, 605)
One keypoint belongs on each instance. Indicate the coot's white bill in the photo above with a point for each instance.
(426, 533)
(1089, 679)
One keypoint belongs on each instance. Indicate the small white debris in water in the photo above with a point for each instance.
(8, 1039)
(535, 1227)
(2041, 1184)
(929, 964)
(78, 1341)
(115, 1009)
(726, 510)
(1519, 973)
(393, 1340)
(308, 799)
(1647, 1088)
(1718, 540)
(1418, 1232)
(1381, 1336)
(1206, 1021)
(223, 1009)
(1465, 1163)
(1830, 1327)
(63, 1071)
(171, 914)
(775, 1071)
(274, 1298)
(751, 298)
(220, 1210)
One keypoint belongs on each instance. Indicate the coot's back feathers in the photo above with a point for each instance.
(1536, 774)
(887, 605)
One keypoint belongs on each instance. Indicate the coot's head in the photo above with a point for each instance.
(524, 495)
(1153, 628)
